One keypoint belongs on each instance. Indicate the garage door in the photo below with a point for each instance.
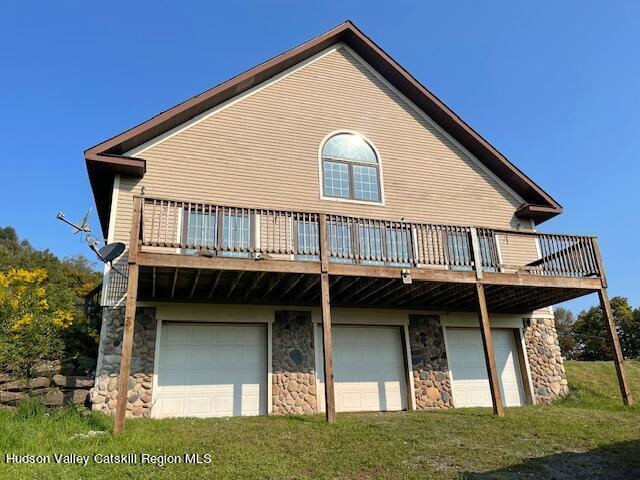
(368, 369)
(211, 370)
(469, 380)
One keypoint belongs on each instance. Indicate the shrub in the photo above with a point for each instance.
(31, 330)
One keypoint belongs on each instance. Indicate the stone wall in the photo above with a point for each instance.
(53, 383)
(105, 391)
(429, 362)
(545, 360)
(293, 379)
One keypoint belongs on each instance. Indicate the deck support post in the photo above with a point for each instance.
(487, 343)
(330, 401)
(616, 349)
(129, 318)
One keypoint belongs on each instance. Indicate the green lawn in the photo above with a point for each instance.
(590, 435)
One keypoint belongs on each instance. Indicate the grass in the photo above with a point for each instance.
(589, 435)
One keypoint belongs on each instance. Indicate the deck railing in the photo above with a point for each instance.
(193, 227)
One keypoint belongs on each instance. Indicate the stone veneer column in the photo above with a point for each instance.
(104, 394)
(545, 360)
(429, 362)
(293, 363)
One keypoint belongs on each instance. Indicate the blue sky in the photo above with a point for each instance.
(554, 85)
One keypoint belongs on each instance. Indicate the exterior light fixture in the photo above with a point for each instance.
(406, 276)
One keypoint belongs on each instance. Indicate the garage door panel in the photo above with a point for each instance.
(250, 358)
(175, 356)
(173, 380)
(227, 334)
(251, 337)
(467, 365)
(368, 369)
(200, 379)
(347, 336)
(202, 335)
(211, 370)
(370, 354)
(173, 333)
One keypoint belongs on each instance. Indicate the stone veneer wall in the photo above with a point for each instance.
(545, 360)
(293, 363)
(105, 391)
(429, 362)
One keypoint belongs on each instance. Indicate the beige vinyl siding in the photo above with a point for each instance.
(517, 250)
(263, 152)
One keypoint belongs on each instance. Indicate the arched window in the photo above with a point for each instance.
(350, 168)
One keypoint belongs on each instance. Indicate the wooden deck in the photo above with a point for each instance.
(195, 252)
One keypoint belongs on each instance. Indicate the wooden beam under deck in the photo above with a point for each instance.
(129, 319)
(214, 285)
(327, 342)
(487, 342)
(422, 274)
(195, 283)
(618, 358)
(253, 285)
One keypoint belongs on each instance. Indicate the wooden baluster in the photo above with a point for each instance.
(153, 223)
(583, 257)
(589, 252)
(166, 223)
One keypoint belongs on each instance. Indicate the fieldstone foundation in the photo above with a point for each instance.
(429, 362)
(103, 395)
(294, 379)
(545, 359)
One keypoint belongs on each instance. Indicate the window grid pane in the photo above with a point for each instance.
(348, 146)
(398, 246)
(370, 241)
(365, 183)
(201, 229)
(336, 179)
(308, 239)
(340, 242)
(459, 251)
(235, 233)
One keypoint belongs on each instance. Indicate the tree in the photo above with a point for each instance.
(564, 326)
(629, 327)
(591, 334)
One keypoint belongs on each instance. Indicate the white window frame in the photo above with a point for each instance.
(381, 203)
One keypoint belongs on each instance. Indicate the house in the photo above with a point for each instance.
(323, 234)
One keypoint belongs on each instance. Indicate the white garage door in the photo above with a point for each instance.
(368, 369)
(469, 380)
(211, 370)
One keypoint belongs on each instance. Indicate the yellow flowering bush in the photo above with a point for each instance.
(29, 330)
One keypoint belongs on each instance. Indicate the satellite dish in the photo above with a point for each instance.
(111, 251)
(106, 254)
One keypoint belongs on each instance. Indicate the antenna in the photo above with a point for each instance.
(108, 253)
(82, 226)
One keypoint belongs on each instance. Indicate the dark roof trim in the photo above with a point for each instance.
(537, 213)
(102, 169)
(348, 33)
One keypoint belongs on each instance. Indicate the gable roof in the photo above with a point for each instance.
(108, 158)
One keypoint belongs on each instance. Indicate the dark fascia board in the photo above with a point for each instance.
(347, 32)
(537, 213)
(102, 169)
